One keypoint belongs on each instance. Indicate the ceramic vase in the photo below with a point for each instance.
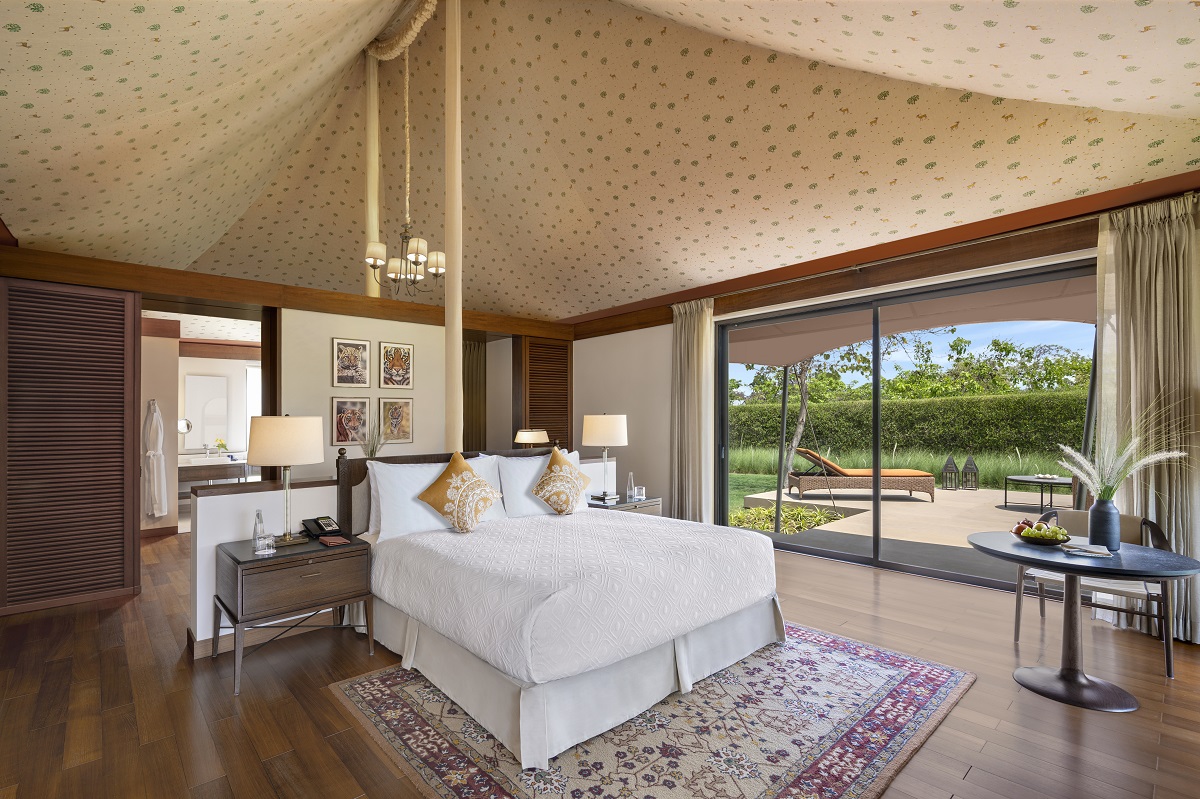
(1104, 525)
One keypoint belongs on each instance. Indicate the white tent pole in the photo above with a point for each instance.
(454, 228)
(372, 165)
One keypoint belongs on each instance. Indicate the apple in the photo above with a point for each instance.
(1020, 528)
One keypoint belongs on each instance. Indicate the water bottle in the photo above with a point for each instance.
(264, 542)
(630, 489)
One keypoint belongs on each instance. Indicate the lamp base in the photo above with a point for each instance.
(291, 539)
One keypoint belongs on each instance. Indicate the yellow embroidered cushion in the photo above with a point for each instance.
(460, 495)
(561, 484)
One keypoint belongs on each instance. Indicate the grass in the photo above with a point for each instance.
(742, 484)
(745, 462)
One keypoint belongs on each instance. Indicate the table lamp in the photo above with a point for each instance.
(605, 431)
(530, 437)
(286, 441)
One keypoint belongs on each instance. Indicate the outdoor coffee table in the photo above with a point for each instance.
(1041, 482)
(1068, 683)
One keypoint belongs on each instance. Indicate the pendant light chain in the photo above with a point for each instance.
(407, 147)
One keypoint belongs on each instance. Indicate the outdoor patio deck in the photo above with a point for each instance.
(916, 531)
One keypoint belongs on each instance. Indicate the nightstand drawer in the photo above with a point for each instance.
(304, 583)
(652, 508)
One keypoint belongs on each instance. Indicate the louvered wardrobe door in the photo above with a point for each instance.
(544, 387)
(69, 459)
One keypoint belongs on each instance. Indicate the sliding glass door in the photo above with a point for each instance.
(911, 419)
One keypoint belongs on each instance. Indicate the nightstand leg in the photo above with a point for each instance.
(216, 639)
(368, 606)
(239, 638)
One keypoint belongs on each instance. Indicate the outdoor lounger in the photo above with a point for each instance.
(825, 474)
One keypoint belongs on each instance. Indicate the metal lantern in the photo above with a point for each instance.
(970, 475)
(950, 475)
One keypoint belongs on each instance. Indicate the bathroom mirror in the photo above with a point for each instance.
(206, 404)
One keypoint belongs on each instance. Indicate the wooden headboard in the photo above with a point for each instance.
(351, 472)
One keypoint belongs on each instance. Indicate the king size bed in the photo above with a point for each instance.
(550, 629)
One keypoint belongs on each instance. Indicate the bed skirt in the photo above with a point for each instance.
(539, 720)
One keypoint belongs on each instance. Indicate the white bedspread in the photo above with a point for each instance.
(546, 597)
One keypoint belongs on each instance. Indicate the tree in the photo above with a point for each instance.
(1002, 367)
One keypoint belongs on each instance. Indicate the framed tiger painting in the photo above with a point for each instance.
(396, 420)
(351, 363)
(395, 365)
(351, 420)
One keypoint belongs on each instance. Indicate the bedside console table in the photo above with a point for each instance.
(301, 580)
(651, 506)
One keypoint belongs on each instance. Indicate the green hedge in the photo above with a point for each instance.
(1032, 422)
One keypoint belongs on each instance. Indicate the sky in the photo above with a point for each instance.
(1076, 336)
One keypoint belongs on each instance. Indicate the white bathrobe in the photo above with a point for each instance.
(154, 472)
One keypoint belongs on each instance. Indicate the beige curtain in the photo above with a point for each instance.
(474, 395)
(1148, 292)
(692, 402)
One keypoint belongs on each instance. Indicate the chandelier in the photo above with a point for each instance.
(408, 271)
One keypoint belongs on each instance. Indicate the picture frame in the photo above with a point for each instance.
(351, 363)
(396, 420)
(351, 420)
(396, 365)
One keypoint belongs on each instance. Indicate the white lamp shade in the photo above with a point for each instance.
(418, 250)
(531, 437)
(286, 440)
(437, 263)
(417, 271)
(396, 267)
(608, 430)
(376, 253)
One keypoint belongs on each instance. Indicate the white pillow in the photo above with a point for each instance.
(518, 476)
(484, 465)
(400, 511)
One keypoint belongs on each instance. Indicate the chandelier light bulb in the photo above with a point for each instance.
(418, 250)
(376, 253)
(396, 268)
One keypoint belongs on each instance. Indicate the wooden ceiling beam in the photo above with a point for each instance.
(183, 284)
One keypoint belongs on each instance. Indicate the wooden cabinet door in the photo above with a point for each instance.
(542, 387)
(69, 455)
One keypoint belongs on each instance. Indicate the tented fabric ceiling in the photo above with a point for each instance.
(610, 155)
(1133, 56)
(214, 328)
(785, 343)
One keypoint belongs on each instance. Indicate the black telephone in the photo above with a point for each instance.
(322, 525)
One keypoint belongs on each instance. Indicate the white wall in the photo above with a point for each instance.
(160, 382)
(307, 381)
(499, 394)
(629, 373)
(234, 372)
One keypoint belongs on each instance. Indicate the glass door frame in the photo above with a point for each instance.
(1083, 267)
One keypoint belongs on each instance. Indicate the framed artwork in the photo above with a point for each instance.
(351, 363)
(350, 420)
(396, 420)
(395, 365)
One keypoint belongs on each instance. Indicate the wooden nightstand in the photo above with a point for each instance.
(255, 590)
(651, 506)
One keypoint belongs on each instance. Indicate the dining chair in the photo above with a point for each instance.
(1134, 530)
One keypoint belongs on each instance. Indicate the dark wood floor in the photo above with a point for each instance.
(102, 699)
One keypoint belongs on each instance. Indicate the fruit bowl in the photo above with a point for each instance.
(1042, 542)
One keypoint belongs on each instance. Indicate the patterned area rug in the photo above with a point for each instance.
(817, 716)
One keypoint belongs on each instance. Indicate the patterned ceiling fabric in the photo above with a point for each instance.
(141, 132)
(612, 156)
(214, 328)
(1140, 56)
